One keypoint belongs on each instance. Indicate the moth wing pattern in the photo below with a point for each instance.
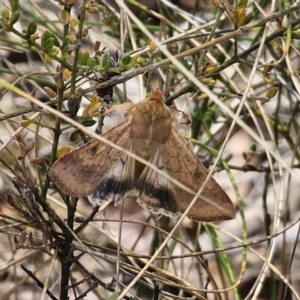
(178, 160)
(81, 171)
(117, 181)
(154, 192)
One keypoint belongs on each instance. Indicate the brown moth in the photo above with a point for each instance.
(149, 131)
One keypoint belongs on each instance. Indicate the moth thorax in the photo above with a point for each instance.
(150, 127)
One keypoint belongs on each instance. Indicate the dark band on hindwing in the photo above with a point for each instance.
(160, 197)
(111, 186)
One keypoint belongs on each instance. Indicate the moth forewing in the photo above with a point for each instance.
(118, 180)
(182, 164)
(81, 171)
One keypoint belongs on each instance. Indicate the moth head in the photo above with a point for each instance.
(156, 95)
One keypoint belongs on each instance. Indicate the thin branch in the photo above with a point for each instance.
(38, 282)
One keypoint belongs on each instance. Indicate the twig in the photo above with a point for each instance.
(87, 220)
(38, 282)
(85, 293)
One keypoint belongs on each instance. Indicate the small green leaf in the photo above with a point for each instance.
(15, 5)
(143, 17)
(31, 29)
(99, 68)
(83, 57)
(56, 41)
(96, 58)
(47, 40)
(88, 122)
(126, 63)
(14, 18)
(91, 62)
(140, 61)
(126, 60)
(105, 62)
(113, 296)
(253, 147)
(5, 15)
(272, 92)
(74, 136)
(26, 45)
(65, 53)
(228, 157)
(242, 3)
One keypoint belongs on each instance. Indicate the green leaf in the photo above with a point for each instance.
(126, 60)
(253, 147)
(126, 63)
(242, 3)
(113, 296)
(26, 45)
(88, 122)
(143, 17)
(83, 57)
(15, 5)
(221, 256)
(272, 92)
(5, 15)
(65, 53)
(31, 29)
(99, 68)
(74, 136)
(105, 62)
(228, 158)
(14, 18)
(47, 40)
(91, 62)
(96, 58)
(56, 41)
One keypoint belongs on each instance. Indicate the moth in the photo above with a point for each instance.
(149, 131)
